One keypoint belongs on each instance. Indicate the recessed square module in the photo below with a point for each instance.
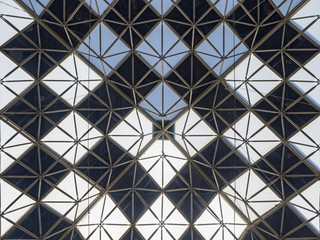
(159, 119)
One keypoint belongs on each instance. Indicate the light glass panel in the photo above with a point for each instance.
(133, 133)
(13, 80)
(251, 137)
(12, 145)
(192, 133)
(13, 206)
(163, 103)
(225, 6)
(72, 138)
(99, 6)
(286, 6)
(307, 18)
(162, 160)
(17, 17)
(162, 221)
(307, 204)
(162, 49)
(252, 80)
(73, 79)
(251, 195)
(105, 221)
(162, 6)
(72, 196)
(220, 221)
(103, 49)
(307, 142)
(307, 80)
(221, 49)
(36, 5)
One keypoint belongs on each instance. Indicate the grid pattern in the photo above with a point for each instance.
(159, 119)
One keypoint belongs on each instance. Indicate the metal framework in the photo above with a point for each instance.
(160, 119)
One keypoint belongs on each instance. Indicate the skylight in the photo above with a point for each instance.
(71, 196)
(13, 80)
(307, 205)
(73, 79)
(72, 137)
(192, 132)
(13, 19)
(159, 119)
(162, 160)
(307, 19)
(252, 80)
(162, 49)
(133, 133)
(105, 221)
(162, 221)
(251, 138)
(307, 80)
(307, 142)
(221, 49)
(163, 103)
(220, 221)
(251, 195)
(103, 49)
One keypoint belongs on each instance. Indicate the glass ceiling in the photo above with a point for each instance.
(160, 119)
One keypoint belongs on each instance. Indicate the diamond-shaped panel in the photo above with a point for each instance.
(251, 195)
(72, 137)
(71, 196)
(251, 137)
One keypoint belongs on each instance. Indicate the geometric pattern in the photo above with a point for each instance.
(251, 137)
(251, 195)
(185, 119)
(105, 221)
(253, 80)
(13, 20)
(71, 196)
(162, 160)
(13, 206)
(306, 80)
(133, 133)
(192, 133)
(11, 75)
(218, 51)
(72, 137)
(162, 55)
(304, 20)
(72, 84)
(13, 145)
(169, 107)
(307, 142)
(220, 222)
(162, 220)
(307, 206)
(106, 51)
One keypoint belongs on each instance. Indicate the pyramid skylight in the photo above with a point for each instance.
(307, 142)
(221, 49)
(251, 138)
(105, 221)
(103, 49)
(251, 195)
(220, 221)
(159, 119)
(73, 79)
(252, 80)
(162, 221)
(162, 49)
(133, 133)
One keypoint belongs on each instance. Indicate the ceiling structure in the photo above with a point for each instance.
(162, 119)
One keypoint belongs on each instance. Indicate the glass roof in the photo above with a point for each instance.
(160, 119)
